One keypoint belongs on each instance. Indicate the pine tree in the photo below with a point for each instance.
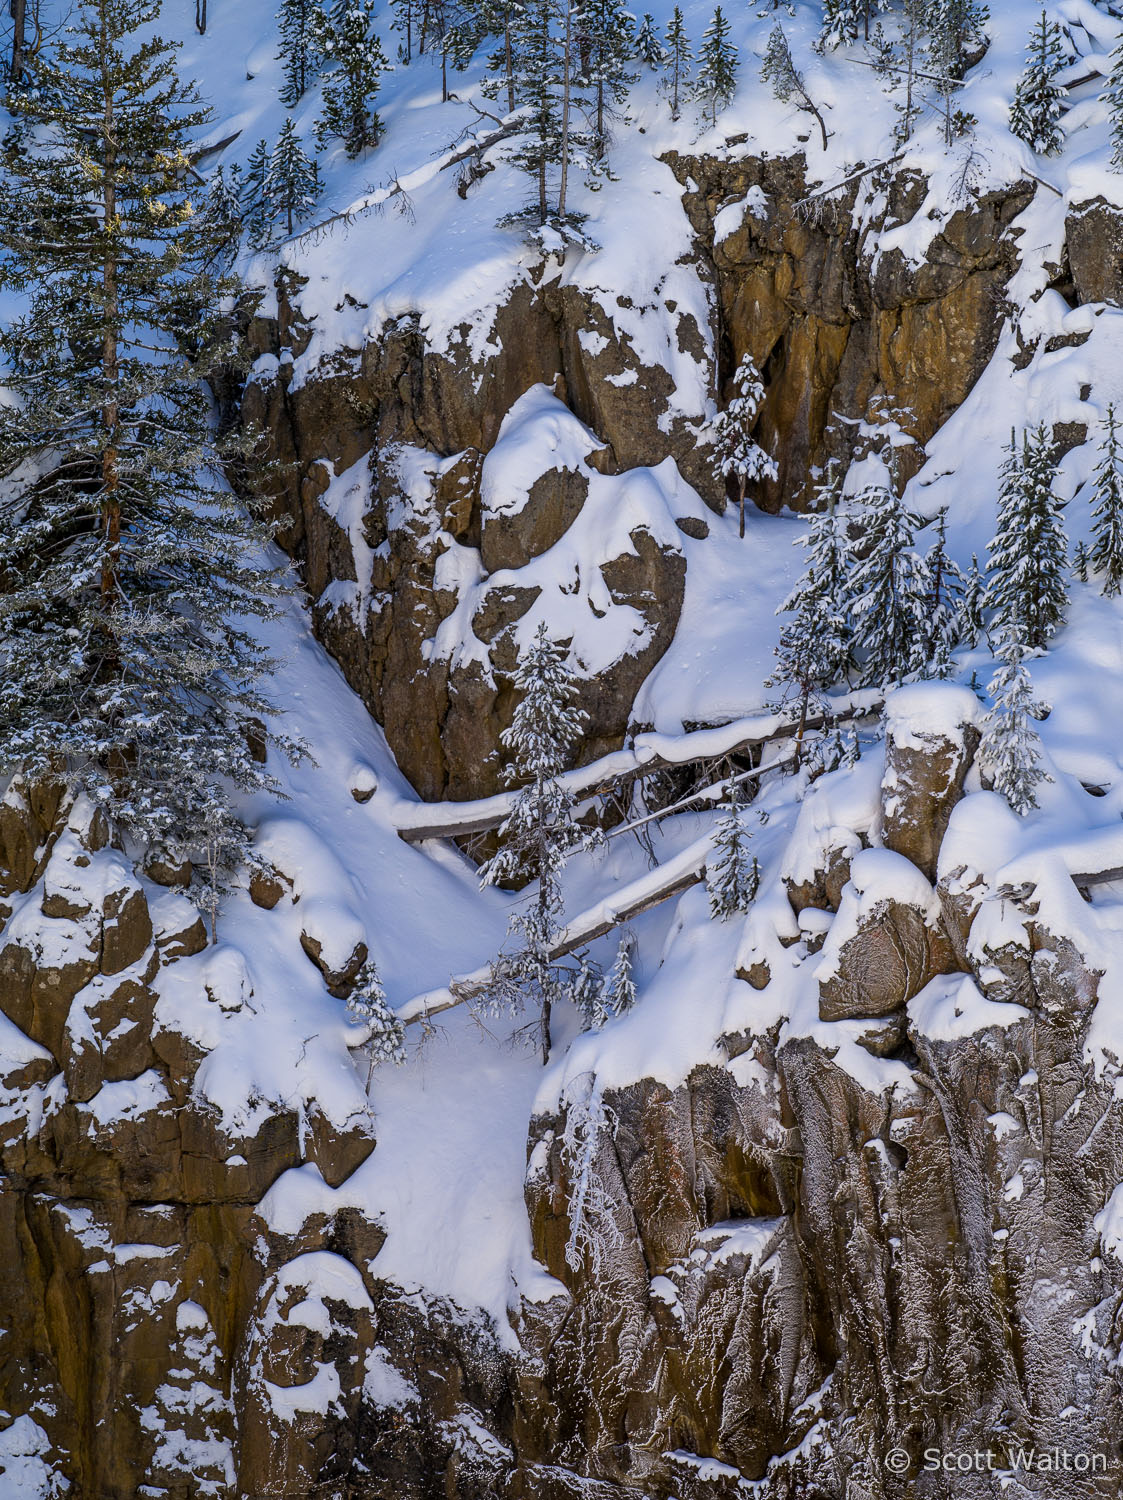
(539, 834)
(1080, 563)
(302, 27)
(497, 18)
(1112, 96)
(679, 59)
(357, 63)
(946, 586)
(1038, 99)
(253, 197)
(732, 871)
(384, 1035)
(224, 212)
(129, 671)
(954, 26)
(1106, 557)
(618, 993)
(890, 588)
(604, 41)
(588, 995)
(1010, 748)
(647, 46)
(717, 67)
(736, 456)
(1026, 587)
(841, 20)
(552, 146)
(971, 609)
(292, 183)
(814, 649)
(780, 70)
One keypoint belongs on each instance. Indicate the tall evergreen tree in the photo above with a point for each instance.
(1026, 587)
(539, 834)
(253, 195)
(677, 83)
(890, 587)
(780, 70)
(1010, 748)
(814, 649)
(647, 46)
(717, 67)
(126, 562)
(946, 588)
(356, 64)
(1106, 557)
(588, 995)
(1035, 114)
(737, 456)
(497, 18)
(606, 49)
(292, 183)
(302, 27)
(954, 27)
(546, 80)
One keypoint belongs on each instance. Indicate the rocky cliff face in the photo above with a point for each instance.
(842, 328)
(885, 1230)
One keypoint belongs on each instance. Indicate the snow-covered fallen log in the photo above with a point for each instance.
(417, 821)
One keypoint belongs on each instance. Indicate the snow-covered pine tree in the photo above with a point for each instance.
(1080, 563)
(677, 84)
(605, 47)
(647, 46)
(736, 456)
(946, 586)
(253, 197)
(971, 609)
(814, 651)
(954, 27)
(1010, 749)
(497, 18)
(1028, 563)
(618, 993)
(890, 587)
(1035, 114)
(385, 1037)
(292, 183)
(1112, 96)
(779, 69)
(129, 567)
(224, 210)
(1106, 557)
(544, 72)
(841, 21)
(539, 834)
(732, 871)
(717, 67)
(302, 28)
(355, 64)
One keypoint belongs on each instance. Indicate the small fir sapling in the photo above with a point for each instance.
(737, 456)
(385, 1034)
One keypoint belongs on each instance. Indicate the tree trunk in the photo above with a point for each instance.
(201, 16)
(507, 60)
(565, 110)
(741, 502)
(110, 413)
(19, 13)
